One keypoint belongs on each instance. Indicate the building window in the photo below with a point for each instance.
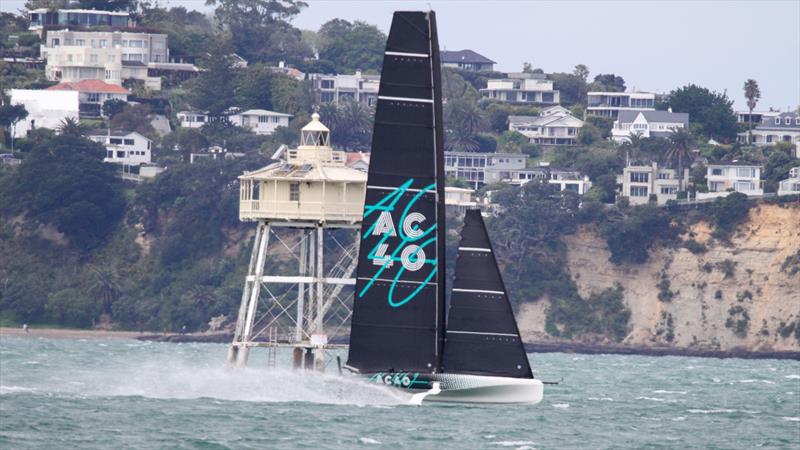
(639, 177)
(117, 141)
(274, 119)
(664, 176)
(716, 186)
(638, 191)
(80, 42)
(716, 171)
(93, 97)
(128, 141)
(263, 119)
(744, 187)
(120, 154)
(326, 84)
(326, 97)
(787, 121)
(669, 189)
(745, 172)
(55, 42)
(109, 154)
(294, 192)
(777, 121)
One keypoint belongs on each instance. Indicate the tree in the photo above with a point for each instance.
(134, 118)
(608, 82)
(752, 93)
(104, 287)
(72, 127)
(186, 141)
(260, 30)
(213, 89)
(463, 117)
(589, 134)
(10, 115)
(516, 142)
(351, 46)
(65, 183)
(571, 86)
(350, 123)
(113, 107)
(581, 71)
(711, 112)
(680, 142)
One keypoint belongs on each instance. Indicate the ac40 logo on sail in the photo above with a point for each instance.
(399, 379)
(413, 240)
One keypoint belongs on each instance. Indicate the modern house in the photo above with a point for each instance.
(782, 127)
(756, 116)
(527, 88)
(554, 126)
(639, 182)
(791, 185)
(259, 121)
(92, 94)
(46, 109)
(609, 104)
(466, 60)
(335, 88)
(111, 56)
(42, 18)
(734, 176)
(478, 169)
(124, 147)
(647, 124)
(459, 199)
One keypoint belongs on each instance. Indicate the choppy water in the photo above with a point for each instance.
(120, 393)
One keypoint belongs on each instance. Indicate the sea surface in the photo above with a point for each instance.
(130, 394)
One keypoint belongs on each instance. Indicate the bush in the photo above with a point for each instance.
(727, 267)
(727, 213)
(664, 293)
(602, 313)
(738, 321)
(630, 240)
(694, 246)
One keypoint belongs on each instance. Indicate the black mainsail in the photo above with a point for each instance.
(398, 312)
(482, 334)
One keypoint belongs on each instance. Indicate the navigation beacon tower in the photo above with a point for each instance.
(292, 295)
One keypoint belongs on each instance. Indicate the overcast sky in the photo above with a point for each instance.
(655, 45)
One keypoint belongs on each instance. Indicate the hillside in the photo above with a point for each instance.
(742, 295)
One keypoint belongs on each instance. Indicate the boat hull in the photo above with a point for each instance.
(463, 388)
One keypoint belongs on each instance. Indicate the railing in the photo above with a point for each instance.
(289, 210)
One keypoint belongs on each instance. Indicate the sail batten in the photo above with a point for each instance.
(398, 311)
(482, 334)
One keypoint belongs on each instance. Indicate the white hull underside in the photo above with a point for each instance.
(485, 389)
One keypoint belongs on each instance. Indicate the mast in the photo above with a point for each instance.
(482, 334)
(398, 311)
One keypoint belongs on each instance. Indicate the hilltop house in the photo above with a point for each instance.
(734, 176)
(647, 124)
(478, 169)
(554, 126)
(756, 116)
(259, 121)
(639, 182)
(335, 88)
(111, 56)
(782, 127)
(46, 109)
(791, 185)
(609, 104)
(85, 18)
(92, 94)
(527, 88)
(466, 60)
(123, 147)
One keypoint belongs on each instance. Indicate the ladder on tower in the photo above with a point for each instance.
(272, 350)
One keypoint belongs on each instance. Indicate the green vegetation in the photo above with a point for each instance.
(711, 113)
(694, 246)
(727, 267)
(791, 265)
(738, 321)
(664, 292)
(602, 313)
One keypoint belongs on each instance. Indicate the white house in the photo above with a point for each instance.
(84, 18)
(639, 182)
(609, 104)
(647, 124)
(261, 121)
(554, 126)
(111, 56)
(782, 127)
(530, 88)
(92, 94)
(46, 109)
(756, 116)
(478, 169)
(734, 176)
(124, 147)
(791, 185)
(335, 88)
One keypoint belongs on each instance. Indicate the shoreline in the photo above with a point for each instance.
(530, 347)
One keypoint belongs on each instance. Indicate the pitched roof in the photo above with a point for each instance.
(629, 115)
(464, 56)
(89, 86)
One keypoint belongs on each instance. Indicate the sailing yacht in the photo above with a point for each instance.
(403, 335)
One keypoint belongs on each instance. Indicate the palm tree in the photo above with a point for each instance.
(104, 287)
(632, 146)
(752, 93)
(72, 127)
(680, 143)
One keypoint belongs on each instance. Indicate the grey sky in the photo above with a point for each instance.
(654, 45)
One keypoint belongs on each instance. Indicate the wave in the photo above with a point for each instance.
(12, 389)
(755, 381)
(659, 391)
(792, 377)
(369, 441)
(791, 419)
(561, 405)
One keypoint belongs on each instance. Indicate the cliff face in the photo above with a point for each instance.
(735, 296)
